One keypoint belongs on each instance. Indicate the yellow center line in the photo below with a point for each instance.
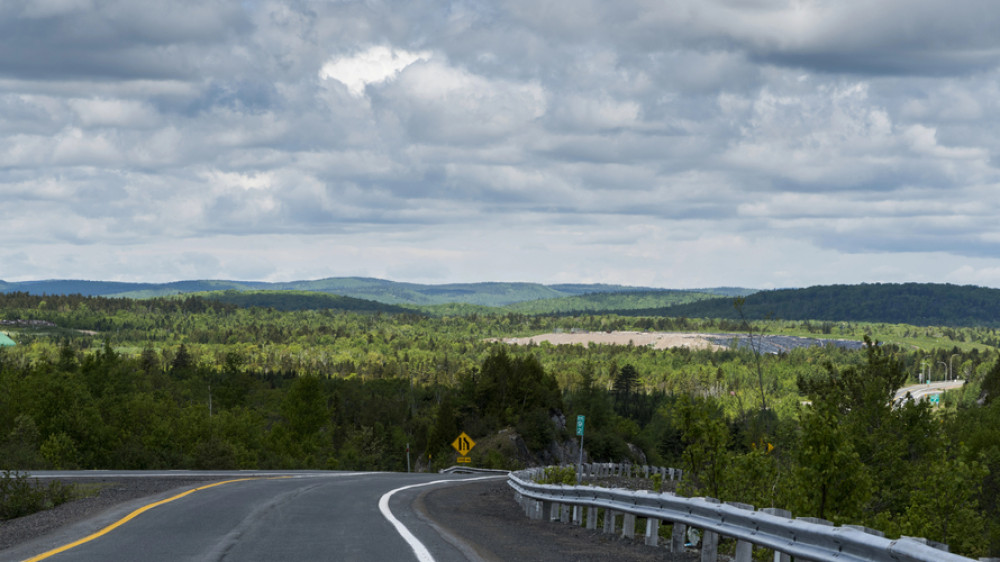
(135, 514)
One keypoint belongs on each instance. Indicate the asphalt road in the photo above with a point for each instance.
(920, 392)
(261, 517)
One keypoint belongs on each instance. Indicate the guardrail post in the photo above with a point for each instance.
(610, 521)
(677, 536)
(545, 513)
(592, 517)
(534, 509)
(578, 515)
(709, 546)
(779, 556)
(744, 549)
(868, 530)
(628, 526)
(930, 543)
(652, 532)
(564, 513)
(710, 541)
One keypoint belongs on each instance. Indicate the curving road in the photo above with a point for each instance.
(260, 516)
(920, 392)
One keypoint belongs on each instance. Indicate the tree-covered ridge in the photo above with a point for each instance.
(918, 304)
(609, 301)
(299, 300)
(390, 292)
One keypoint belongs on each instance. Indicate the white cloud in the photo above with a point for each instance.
(440, 103)
(375, 65)
(113, 113)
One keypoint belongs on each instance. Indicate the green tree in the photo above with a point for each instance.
(990, 389)
(887, 441)
(705, 437)
(829, 480)
(625, 384)
(305, 406)
(944, 505)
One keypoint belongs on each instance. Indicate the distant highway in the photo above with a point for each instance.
(922, 391)
(258, 516)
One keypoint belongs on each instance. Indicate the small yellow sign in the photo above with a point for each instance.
(464, 460)
(463, 444)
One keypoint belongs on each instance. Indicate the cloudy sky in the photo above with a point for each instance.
(667, 143)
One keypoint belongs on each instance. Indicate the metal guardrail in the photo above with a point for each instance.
(805, 538)
(459, 469)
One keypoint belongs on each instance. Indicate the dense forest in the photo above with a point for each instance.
(920, 304)
(210, 382)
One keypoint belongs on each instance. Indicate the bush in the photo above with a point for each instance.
(559, 475)
(19, 496)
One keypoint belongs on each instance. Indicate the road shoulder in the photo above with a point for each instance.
(490, 523)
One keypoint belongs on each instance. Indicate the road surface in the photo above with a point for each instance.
(260, 516)
(921, 391)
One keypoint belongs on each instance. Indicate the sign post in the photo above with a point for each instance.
(463, 444)
(580, 420)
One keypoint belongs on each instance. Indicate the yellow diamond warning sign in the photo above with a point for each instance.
(463, 444)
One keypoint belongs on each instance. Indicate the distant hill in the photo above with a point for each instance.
(919, 304)
(909, 303)
(618, 302)
(492, 294)
(118, 289)
(299, 300)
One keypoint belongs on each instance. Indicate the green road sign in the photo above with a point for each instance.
(579, 425)
(935, 398)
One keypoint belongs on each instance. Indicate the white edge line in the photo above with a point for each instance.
(423, 555)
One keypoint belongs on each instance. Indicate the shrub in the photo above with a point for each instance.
(559, 475)
(19, 496)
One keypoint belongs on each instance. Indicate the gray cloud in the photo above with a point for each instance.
(695, 143)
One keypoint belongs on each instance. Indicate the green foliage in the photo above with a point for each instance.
(829, 480)
(559, 475)
(20, 496)
(298, 300)
(608, 302)
(920, 304)
(706, 441)
(944, 505)
(990, 386)
(304, 407)
(20, 449)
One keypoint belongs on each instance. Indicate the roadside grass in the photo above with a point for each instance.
(20, 495)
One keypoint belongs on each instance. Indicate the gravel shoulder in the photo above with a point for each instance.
(492, 525)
